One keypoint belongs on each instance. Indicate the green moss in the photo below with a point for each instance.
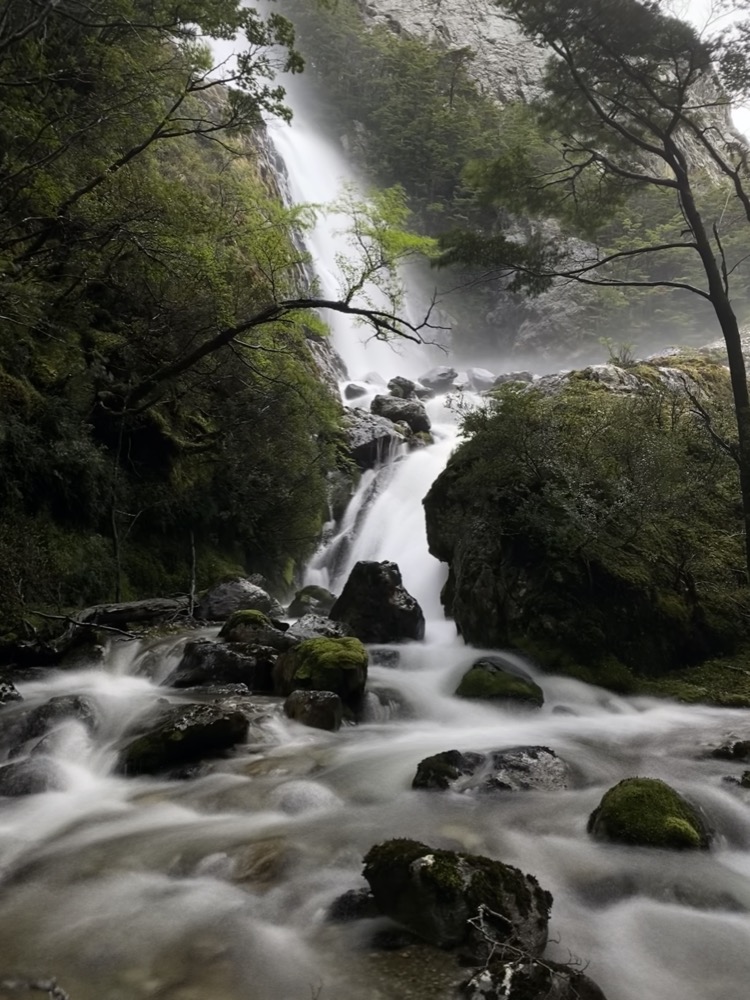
(319, 659)
(247, 617)
(484, 684)
(647, 812)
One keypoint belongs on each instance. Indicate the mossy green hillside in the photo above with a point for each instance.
(648, 813)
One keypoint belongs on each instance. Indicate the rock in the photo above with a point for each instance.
(512, 377)
(530, 980)
(647, 812)
(376, 605)
(738, 750)
(316, 627)
(239, 594)
(183, 733)
(8, 692)
(408, 411)
(254, 627)
(493, 677)
(311, 600)
(317, 709)
(29, 777)
(385, 657)
(338, 665)
(402, 387)
(439, 379)
(45, 717)
(517, 769)
(435, 893)
(479, 379)
(371, 439)
(206, 661)
(356, 904)
(354, 390)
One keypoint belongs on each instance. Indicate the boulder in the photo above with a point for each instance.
(206, 661)
(530, 980)
(371, 439)
(513, 377)
(355, 904)
(434, 894)
(338, 665)
(738, 750)
(354, 390)
(8, 692)
(181, 734)
(402, 387)
(254, 627)
(29, 777)
(316, 627)
(494, 678)
(479, 379)
(45, 717)
(317, 709)
(440, 379)
(407, 411)
(238, 594)
(647, 812)
(311, 600)
(517, 769)
(376, 605)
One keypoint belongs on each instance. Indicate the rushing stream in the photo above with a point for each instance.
(216, 888)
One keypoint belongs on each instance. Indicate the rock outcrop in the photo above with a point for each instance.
(377, 607)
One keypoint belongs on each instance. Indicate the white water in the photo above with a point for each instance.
(216, 888)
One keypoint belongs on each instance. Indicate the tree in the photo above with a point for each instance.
(634, 99)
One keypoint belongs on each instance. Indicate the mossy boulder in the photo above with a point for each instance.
(338, 665)
(311, 600)
(182, 734)
(491, 679)
(434, 894)
(252, 626)
(649, 813)
(594, 525)
(236, 594)
(377, 606)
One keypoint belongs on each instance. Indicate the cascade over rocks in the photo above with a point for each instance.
(211, 662)
(440, 379)
(647, 812)
(30, 776)
(408, 411)
(377, 607)
(402, 387)
(517, 769)
(239, 594)
(42, 719)
(435, 893)
(371, 438)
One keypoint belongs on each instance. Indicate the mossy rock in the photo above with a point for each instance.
(434, 894)
(311, 600)
(338, 665)
(648, 813)
(487, 680)
(252, 626)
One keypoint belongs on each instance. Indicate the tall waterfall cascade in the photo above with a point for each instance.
(217, 887)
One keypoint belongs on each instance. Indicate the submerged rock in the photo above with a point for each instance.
(376, 605)
(52, 713)
(208, 661)
(239, 594)
(317, 709)
(494, 678)
(311, 600)
(434, 894)
(337, 665)
(183, 733)
(30, 776)
(517, 769)
(530, 980)
(647, 812)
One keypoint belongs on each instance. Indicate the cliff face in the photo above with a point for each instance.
(507, 66)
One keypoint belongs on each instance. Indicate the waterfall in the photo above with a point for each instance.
(217, 887)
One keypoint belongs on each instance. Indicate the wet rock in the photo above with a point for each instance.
(256, 628)
(208, 661)
(530, 980)
(311, 600)
(408, 411)
(45, 717)
(356, 904)
(183, 733)
(317, 709)
(435, 894)
(316, 627)
(376, 605)
(647, 812)
(8, 692)
(480, 379)
(513, 377)
(495, 678)
(355, 390)
(738, 750)
(516, 769)
(338, 665)
(371, 439)
(385, 657)
(239, 594)
(440, 379)
(402, 387)
(29, 777)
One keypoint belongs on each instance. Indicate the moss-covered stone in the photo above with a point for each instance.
(338, 665)
(434, 893)
(647, 812)
(497, 685)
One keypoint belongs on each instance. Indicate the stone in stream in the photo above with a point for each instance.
(402, 388)
(311, 600)
(440, 379)
(371, 439)
(407, 411)
(238, 594)
(338, 665)
(376, 605)
(516, 769)
(29, 777)
(480, 379)
(648, 813)
(435, 894)
(252, 626)
(497, 678)
(206, 661)
(181, 734)
(43, 718)
(8, 692)
(738, 750)
(317, 709)
(530, 980)
(317, 627)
